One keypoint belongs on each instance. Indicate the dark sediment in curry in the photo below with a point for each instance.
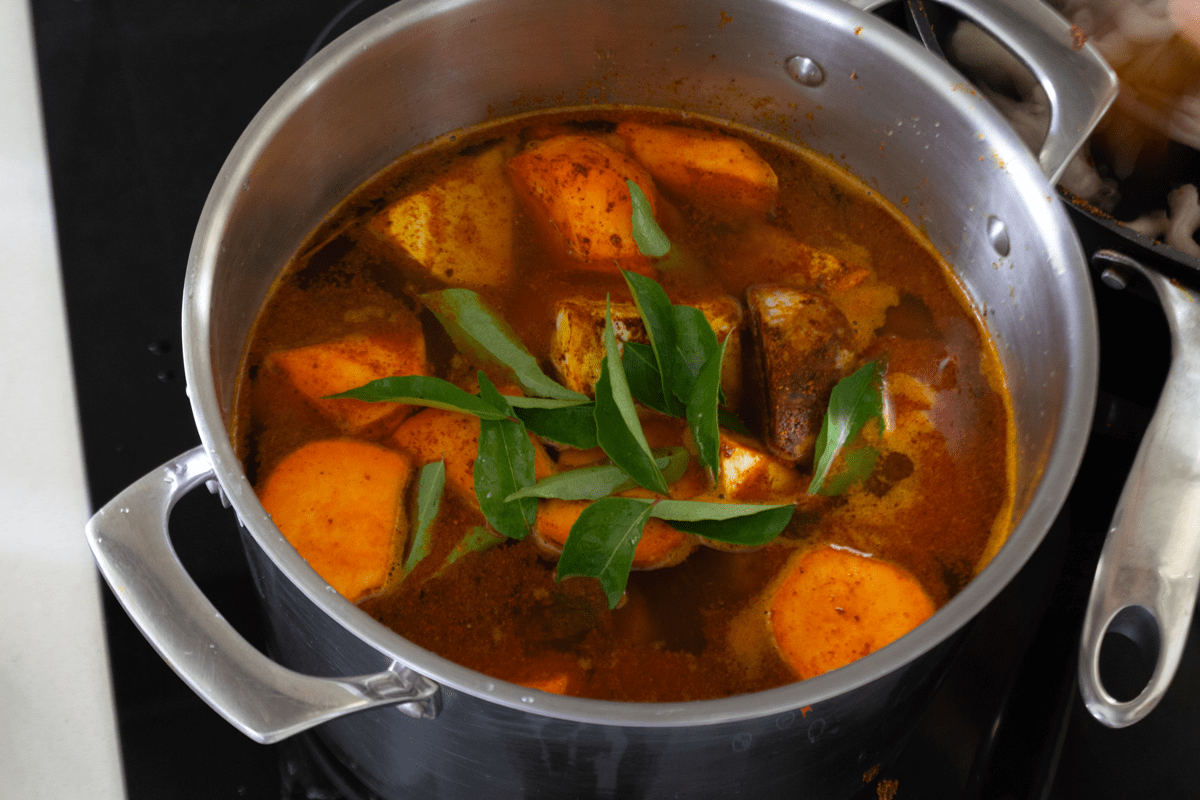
(807, 282)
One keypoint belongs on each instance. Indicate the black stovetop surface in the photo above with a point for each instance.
(142, 102)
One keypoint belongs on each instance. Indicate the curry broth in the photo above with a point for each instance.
(695, 630)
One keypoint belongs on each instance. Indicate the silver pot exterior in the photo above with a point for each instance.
(814, 71)
(478, 748)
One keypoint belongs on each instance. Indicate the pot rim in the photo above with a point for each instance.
(1061, 465)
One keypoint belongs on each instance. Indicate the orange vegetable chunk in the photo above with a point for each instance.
(340, 503)
(328, 368)
(434, 434)
(577, 344)
(660, 545)
(715, 171)
(460, 228)
(835, 606)
(574, 187)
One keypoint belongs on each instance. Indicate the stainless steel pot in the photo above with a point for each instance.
(817, 71)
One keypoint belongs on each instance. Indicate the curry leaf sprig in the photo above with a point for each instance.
(680, 372)
(601, 543)
(650, 239)
(855, 400)
(430, 482)
(618, 429)
(503, 465)
(677, 373)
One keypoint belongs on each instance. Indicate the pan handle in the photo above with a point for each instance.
(264, 700)
(1149, 570)
(1079, 84)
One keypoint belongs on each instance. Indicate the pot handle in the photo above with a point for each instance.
(1149, 570)
(262, 699)
(1079, 84)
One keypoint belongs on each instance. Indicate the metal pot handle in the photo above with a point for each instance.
(264, 700)
(1079, 84)
(1149, 570)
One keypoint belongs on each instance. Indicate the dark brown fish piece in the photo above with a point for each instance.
(803, 345)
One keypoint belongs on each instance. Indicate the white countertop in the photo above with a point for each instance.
(57, 726)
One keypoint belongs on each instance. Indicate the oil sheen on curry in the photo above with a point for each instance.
(612, 470)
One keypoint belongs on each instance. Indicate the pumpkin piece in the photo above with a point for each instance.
(835, 606)
(340, 503)
(434, 434)
(574, 188)
(319, 370)
(713, 171)
(460, 228)
(577, 344)
(660, 545)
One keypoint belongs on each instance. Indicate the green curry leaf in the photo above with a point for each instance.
(503, 464)
(592, 483)
(543, 403)
(419, 390)
(659, 319)
(677, 462)
(695, 344)
(476, 541)
(476, 329)
(855, 400)
(602, 543)
(702, 412)
(857, 466)
(429, 499)
(643, 377)
(585, 483)
(650, 239)
(573, 425)
(618, 429)
(734, 523)
(698, 510)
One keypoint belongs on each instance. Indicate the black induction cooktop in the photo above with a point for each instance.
(143, 100)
